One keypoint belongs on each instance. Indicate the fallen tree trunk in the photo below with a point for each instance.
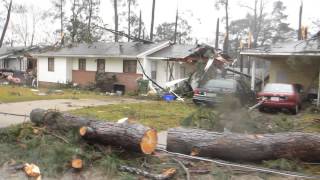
(244, 147)
(133, 137)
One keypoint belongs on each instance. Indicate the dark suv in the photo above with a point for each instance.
(215, 91)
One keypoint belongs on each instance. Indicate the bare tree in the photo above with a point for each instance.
(6, 23)
(176, 27)
(116, 23)
(152, 20)
(300, 21)
(59, 13)
(140, 25)
(217, 34)
(225, 4)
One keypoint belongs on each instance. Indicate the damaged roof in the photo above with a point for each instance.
(309, 47)
(102, 49)
(175, 51)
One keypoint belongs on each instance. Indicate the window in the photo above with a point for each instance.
(51, 64)
(153, 70)
(129, 66)
(82, 64)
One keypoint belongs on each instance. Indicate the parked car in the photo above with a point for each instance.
(215, 91)
(281, 96)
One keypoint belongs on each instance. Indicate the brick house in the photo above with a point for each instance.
(79, 63)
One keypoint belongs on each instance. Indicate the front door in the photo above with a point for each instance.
(101, 65)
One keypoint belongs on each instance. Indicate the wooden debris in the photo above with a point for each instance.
(32, 170)
(130, 136)
(244, 147)
(167, 174)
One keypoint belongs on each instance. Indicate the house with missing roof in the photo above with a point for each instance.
(17, 62)
(127, 61)
(293, 62)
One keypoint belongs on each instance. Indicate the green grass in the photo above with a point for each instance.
(17, 94)
(157, 114)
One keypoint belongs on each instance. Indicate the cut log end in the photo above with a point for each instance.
(149, 141)
(84, 130)
(77, 163)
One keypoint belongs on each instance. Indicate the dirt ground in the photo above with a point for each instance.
(24, 108)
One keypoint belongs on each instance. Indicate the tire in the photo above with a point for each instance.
(295, 110)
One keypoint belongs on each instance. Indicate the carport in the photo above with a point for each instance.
(295, 62)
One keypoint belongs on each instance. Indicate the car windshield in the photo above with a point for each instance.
(215, 83)
(280, 88)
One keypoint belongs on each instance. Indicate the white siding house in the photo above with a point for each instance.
(159, 61)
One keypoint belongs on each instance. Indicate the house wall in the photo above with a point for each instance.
(59, 75)
(14, 64)
(300, 71)
(112, 65)
(163, 73)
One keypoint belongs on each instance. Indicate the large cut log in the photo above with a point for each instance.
(244, 147)
(135, 137)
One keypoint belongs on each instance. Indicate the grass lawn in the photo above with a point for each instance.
(17, 93)
(158, 114)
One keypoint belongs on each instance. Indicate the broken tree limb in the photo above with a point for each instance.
(169, 173)
(244, 147)
(135, 137)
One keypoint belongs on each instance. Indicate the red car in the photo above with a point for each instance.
(281, 96)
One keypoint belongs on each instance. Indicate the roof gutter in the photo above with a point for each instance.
(86, 56)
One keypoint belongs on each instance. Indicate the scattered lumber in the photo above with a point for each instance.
(167, 174)
(244, 147)
(135, 137)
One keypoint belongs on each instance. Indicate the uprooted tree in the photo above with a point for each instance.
(133, 137)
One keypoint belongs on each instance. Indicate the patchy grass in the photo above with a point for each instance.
(18, 93)
(157, 114)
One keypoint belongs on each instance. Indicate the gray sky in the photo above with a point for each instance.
(201, 14)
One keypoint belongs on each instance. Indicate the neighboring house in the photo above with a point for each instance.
(16, 61)
(79, 63)
(295, 62)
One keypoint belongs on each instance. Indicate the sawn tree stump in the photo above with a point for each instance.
(244, 147)
(135, 137)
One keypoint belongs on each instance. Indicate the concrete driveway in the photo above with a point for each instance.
(24, 108)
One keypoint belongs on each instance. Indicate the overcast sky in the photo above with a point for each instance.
(201, 14)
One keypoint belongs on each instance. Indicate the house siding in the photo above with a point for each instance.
(59, 75)
(298, 71)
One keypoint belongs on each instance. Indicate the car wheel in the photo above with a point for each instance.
(295, 110)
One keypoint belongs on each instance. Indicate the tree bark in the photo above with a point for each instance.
(226, 40)
(300, 21)
(217, 35)
(244, 147)
(133, 137)
(6, 24)
(140, 25)
(152, 19)
(176, 28)
(116, 23)
(129, 17)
